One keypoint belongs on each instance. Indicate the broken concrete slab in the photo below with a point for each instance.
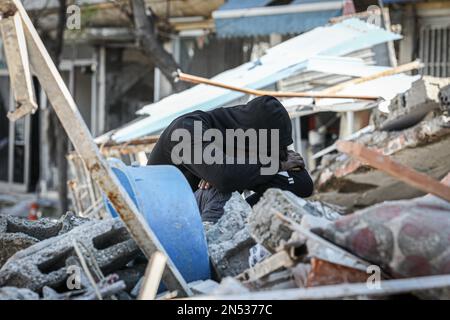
(269, 230)
(44, 263)
(350, 184)
(19, 233)
(408, 108)
(229, 240)
(10, 243)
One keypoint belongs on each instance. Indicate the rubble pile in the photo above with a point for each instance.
(41, 255)
(416, 133)
(361, 227)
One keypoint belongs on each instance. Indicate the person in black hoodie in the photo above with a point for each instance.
(214, 183)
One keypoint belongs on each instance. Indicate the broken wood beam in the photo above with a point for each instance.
(78, 132)
(18, 65)
(152, 277)
(386, 164)
(276, 261)
(280, 94)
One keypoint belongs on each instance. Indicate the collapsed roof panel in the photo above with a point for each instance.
(278, 63)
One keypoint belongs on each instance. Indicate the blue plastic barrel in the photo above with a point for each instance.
(165, 199)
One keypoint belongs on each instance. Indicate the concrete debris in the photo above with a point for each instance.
(19, 233)
(270, 231)
(12, 293)
(44, 263)
(444, 98)
(257, 254)
(408, 108)
(229, 240)
(230, 285)
(203, 287)
(346, 182)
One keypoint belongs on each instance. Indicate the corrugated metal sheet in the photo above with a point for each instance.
(280, 62)
(260, 17)
(265, 25)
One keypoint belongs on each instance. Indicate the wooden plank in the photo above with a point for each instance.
(152, 276)
(267, 266)
(395, 169)
(70, 117)
(195, 79)
(18, 65)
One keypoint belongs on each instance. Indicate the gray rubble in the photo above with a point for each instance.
(270, 231)
(44, 263)
(229, 240)
(19, 233)
(12, 293)
(408, 108)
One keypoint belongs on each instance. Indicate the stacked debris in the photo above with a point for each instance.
(73, 258)
(364, 234)
(314, 255)
(415, 133)
(356, 238)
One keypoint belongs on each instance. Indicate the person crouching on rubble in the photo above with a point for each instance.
(202, 146)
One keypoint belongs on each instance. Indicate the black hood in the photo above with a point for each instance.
(264, 112)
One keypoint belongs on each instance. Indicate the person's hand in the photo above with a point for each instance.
(294, 162)
(204, 185)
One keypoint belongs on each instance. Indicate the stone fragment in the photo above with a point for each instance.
(12, 293)
(229, 240)
(44, 263)
(19, 233)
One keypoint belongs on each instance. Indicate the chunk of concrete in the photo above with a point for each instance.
(229, 240)
(408, 108)
(44, 263)
(270, 231)
(19, 233)
(12, 293)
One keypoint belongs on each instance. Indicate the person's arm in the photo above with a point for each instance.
(297, 182)
(229, 177)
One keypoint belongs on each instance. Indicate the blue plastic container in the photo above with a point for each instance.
(165, 199)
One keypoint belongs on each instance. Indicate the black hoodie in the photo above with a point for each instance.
(264, 112)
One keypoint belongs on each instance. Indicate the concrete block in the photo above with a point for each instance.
(44, 263)
(19, 233)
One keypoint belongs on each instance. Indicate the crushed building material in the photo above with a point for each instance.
(44, 263)
(19, 233)
(229, 240)
(408, 108)
(270, 231)
(444, 98)
(12, 293)
(339, 291)
(324, 273)
(406, 238)
(403, 173)
(346, 182)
